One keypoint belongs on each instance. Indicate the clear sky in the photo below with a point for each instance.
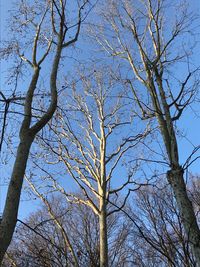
(190, 123)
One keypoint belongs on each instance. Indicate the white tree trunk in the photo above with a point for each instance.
(103, 234)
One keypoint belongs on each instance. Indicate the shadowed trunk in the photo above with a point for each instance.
(9, 217)
(27, 135)
(176, 180)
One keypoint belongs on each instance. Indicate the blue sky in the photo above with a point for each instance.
(189, 122)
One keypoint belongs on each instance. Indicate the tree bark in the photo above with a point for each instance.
(176, 180)
(103, 234)
(9, 217)
(175, 175)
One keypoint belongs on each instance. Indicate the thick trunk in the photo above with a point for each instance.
(103, 234)
(9, 217)
(176, 180)
(176, 174)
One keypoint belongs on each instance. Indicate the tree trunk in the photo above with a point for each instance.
(176, 180)
(9, 217)
(103, 234)
(175, 175)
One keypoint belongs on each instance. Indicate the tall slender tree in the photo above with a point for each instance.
(93, 134)
(162, 77)
(45, 26)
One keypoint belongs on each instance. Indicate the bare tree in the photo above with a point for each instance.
(85, 143)
(154, 48)
(40, 241)
(31, 20)
(156, 238)
(156, 213)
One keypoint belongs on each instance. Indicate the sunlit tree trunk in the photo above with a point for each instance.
(103, 233)
(102, 195)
